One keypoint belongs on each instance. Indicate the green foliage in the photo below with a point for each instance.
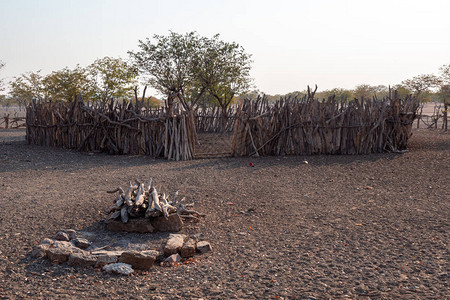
(223, 69)
(105, 79)
(445, 74)
(27, 87)
(189, 66)
(444, 88)
(421, 83)
(444, 93)
(365, 91)
(62, 85)
(168, 63)
(339, 94)
(381, 91)
(402, 91)
(65, 84)
(154, 102)
(111, 78)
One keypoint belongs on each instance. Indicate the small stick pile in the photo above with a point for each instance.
(140, 201)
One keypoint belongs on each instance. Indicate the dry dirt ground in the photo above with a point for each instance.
(355, 227)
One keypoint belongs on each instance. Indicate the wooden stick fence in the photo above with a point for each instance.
(210, 119)
(8, 121)
(309, 126)
(290, 126)
(117, 128)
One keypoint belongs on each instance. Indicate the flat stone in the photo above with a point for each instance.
(90, 236)
(173, 258)
(204, 247)
(119, 268)
(174, 223)
(105, 259)
(188, 249)
(60, 250)
(174, 244)
(64, 244)
(140, 225)
(139, 259)
(106, 252)
(62, 236)
(57, 255)
(82, 259)
(81, 243)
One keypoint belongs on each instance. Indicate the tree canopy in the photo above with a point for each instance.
(421, 83)
(186, 67)
(223, 69)
(167, 63)
(27, 87)
(444, 88)
(111, 78)
(105, 79)
(65, 84)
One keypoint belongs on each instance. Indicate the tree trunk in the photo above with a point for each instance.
(445, 116)
(170, 105)
(224, 118)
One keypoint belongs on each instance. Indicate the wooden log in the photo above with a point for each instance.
(114, 215)
(128, 194)
(140, 197)
(124, 214)
(166, 208)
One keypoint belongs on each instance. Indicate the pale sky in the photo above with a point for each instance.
(338, 43)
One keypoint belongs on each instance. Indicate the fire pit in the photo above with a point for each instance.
(141, 208)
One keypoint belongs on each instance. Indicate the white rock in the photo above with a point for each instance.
(204, 247)
(119, 268)
(173, 258)
(174, 244)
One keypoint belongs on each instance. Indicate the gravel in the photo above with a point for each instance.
(370, 226)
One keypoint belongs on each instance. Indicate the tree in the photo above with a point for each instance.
(420, 85)
(340, 94)
(445, 74)
(223, 69)
(444, 84)
(188, 66)
(364, 91)
(402, 91)
(381, 91)
(66, 84)
(169, 64)
(444, 91)
(111, 78)
(27, 87)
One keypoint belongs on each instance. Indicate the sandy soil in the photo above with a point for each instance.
(357, 227)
